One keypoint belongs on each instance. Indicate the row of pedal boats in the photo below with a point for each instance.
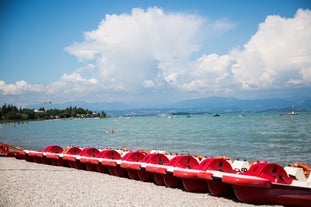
(257, 182)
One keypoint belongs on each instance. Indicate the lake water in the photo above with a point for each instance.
(257, 136)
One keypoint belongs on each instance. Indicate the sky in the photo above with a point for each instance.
(145, 52)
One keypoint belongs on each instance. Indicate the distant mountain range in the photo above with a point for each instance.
(221, 104)
(202, 105)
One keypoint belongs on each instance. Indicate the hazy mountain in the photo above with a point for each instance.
(222, 104)
(210, 104)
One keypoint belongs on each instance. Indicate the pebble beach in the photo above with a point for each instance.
(31, 184)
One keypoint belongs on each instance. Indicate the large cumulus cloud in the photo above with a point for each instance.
(137, 50)
(151, 51)
(278, 55)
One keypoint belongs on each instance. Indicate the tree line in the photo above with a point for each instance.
(9, 112)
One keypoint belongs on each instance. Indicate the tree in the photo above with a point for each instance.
(12, 113)
(103, 114)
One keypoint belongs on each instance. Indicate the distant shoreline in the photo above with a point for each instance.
(10, 113)
(175, 114)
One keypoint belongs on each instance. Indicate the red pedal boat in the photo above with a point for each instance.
(158, 159)
(40, 156)
(67, 156)
(261, 183)
(206, 176)
(269, 183)
(80, 160)
(131, 164)
(108, 157)
(7, 150)
(163, 174)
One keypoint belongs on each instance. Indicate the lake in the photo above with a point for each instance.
(256, 136)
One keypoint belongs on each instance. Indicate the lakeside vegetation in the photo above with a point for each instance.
(10, 113)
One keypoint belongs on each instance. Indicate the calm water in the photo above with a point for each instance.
(265, 136)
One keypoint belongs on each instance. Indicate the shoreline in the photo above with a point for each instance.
(31, 184)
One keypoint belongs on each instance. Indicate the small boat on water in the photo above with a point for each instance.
(292, 113)
(255, 182)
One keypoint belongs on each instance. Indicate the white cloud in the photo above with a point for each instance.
(72, 85)
(147, 48)
(278, 55)
(19, 87)
(76, 78)
(211, 73)
(151, 51)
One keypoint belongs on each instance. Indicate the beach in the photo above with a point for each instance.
(31, 184)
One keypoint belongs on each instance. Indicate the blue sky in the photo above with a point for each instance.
(153, 52)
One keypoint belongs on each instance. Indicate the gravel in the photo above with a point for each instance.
(31, 184)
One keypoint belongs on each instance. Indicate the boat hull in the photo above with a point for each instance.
(195, 185)
(277, 194)
(145, 176)
(101, 168)
(218, 188)
(191, 180)
(171, 181)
